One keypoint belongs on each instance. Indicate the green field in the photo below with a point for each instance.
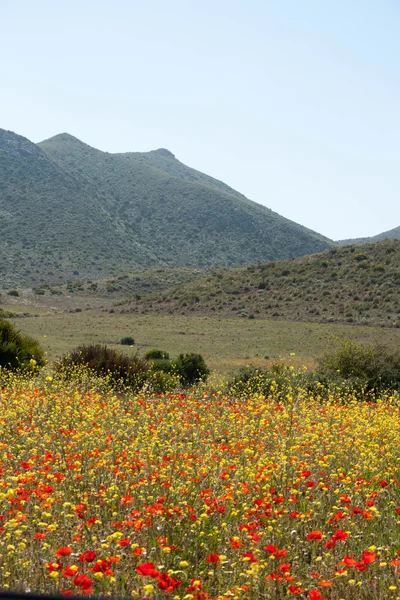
(225, 343)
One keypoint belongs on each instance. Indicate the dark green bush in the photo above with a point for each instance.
(165, 365)
(373, 367)
(156, 354)
(191, 368)
(17, 350)
(120, 369)
(127, 341)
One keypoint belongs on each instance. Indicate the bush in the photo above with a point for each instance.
(191, 368)
(16, 350)
(373, 367)
(120, 369)
(156, 354)
(127, 341)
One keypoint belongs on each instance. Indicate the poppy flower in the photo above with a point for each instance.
(70, 571)
(368, 557)
(167, 583)
(83, 581)
(147, 569)
(316, 595)
(88, 556)
(295, 589)
(315, 535)
(340, 535)
(213, 558)
(64, 551)
(349, 561)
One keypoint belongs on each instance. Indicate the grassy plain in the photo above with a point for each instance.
(226, 344)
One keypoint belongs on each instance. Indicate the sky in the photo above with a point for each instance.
(294, 103)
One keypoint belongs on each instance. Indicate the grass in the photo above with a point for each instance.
(224, 343)
(198, 496)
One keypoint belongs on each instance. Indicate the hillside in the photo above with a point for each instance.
(69, 211)
(392, 234)
(353, 284)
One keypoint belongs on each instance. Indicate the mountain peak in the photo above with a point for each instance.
(65, 137)
(164, 152)
(16, 143)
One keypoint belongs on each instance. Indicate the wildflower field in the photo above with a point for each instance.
(200, 496)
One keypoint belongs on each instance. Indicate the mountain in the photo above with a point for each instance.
(392, 234)
(353, 284)
(70, 211)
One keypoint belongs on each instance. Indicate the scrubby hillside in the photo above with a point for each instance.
(353, 284)
(392, 234)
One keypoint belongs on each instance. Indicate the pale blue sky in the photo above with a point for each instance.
(295, 103)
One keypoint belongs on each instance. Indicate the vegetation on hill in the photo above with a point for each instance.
(393, 234)
(70, 211)
(353, 284)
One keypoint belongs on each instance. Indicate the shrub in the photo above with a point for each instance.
(156, 354)
(13, 293)
(127, 341)
(17, 350)
(120, 369)
(373, 367)
(192, 368)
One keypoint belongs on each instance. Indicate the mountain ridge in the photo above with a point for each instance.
(69, 210)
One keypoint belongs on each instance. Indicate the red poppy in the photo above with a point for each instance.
(64, 551)
(348, 561)
(250, 556)
(167, 583)
(316, 595)
(340, 535)
(147, 569)
(84, 582)
(88, 556)
(368, 557)
(124, 542)
(295, 589)
(57, 566)
(315, 535)
(70, 571)
(213, 558)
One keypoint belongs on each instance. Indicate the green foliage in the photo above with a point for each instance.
(374, 367)
(120, 369)
(250, 380)
(18, 351)
(192, 368)
(156, 354)
(127, 341)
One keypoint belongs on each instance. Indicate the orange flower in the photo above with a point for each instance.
(64, 551)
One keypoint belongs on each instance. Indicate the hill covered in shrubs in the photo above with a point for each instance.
(352, 284)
